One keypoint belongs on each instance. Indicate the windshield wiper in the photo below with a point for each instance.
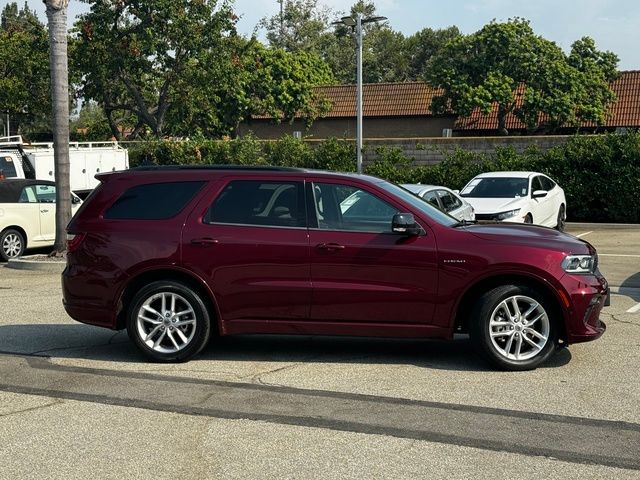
(464, 223)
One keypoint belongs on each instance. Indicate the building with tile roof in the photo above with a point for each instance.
(402, 110)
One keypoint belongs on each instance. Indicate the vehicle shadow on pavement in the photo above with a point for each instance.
(631, 287)
(93, 343)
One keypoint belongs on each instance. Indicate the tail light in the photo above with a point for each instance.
(74, 240)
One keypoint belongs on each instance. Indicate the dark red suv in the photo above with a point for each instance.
(179, 254)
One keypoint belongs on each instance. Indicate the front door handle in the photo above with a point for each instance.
(204, 242)
(330, 246)
(44, 211)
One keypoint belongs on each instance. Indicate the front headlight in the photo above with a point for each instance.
(580, 263)
(509, 214)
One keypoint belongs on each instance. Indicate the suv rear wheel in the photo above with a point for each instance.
(168, 322)
(11, 244)
(514, 328)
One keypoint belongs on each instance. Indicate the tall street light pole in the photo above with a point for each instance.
(356, 24)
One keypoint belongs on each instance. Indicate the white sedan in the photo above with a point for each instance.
(444, 199)
(522, 197)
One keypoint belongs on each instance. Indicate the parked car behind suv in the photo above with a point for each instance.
(27, 215)
(522, 197)
(178, 254)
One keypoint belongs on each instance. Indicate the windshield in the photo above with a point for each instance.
(496, 187)
(419, 203)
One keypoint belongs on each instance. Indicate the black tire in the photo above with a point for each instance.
(492, 342)
(162, 335)
(562, 219)
(12, 244)
(528, 218)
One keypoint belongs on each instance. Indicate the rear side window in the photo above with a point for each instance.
(154, 201)
(256, 202)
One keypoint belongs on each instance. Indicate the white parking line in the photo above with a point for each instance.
(634, 309)
(583, 234)
(617, 255)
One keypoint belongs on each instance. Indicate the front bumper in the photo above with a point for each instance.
(588, 295)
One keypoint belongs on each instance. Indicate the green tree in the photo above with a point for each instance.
(134, 53)
(255, 81)
(505, 61)
(303, 25)
(24, 67)
(307, 26)
(423, 45)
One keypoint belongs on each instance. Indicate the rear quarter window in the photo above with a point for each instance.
(154, 201)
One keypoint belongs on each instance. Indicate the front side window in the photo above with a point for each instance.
(45, 193)
(449, 201)
(347, 208)
(432, 198)
(259, 202)
(547, 183)
(153, 201)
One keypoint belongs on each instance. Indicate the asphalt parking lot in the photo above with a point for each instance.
(79, 401)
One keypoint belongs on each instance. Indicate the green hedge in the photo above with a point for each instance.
(600, 174)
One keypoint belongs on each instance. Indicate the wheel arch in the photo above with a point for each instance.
(466, 303)
(18, 229)
(175, 275)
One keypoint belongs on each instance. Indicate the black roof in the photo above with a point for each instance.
(11, 188)
(268, 168)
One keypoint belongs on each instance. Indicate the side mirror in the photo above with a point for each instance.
(75, 200)
(405, 224)
(457, 192)
(539, 194)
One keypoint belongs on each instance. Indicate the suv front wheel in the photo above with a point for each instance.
(514, 328)
(168, 321)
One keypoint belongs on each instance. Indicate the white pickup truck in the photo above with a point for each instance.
(35, 161)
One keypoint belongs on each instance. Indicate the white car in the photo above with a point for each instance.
(27, 215)
(522, 197)
(444, 199)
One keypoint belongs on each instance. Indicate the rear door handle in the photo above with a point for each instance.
(204, 242)
(44, 211)
(330, 246)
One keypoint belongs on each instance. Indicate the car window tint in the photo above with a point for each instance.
(45, 193)
(343, 207)
(257, 202)
(28, 195)
(7, 166)
(154, 201)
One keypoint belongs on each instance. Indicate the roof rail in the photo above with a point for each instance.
(11, 140)
(147, 168)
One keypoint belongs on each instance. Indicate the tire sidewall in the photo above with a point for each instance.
(4, 235)
(203, 322)
(561, 219)
(480, 330)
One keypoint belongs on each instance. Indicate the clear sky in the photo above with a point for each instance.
(614, 24)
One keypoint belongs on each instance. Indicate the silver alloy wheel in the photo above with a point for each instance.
(12, 245)
(166, 322)
(519, 328)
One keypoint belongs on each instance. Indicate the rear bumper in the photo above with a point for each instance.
(84, 299)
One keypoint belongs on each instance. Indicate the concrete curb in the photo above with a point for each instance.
(30, 263)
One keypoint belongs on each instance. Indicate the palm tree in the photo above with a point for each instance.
(57, 19)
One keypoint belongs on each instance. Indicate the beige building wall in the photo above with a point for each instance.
(403, 127)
